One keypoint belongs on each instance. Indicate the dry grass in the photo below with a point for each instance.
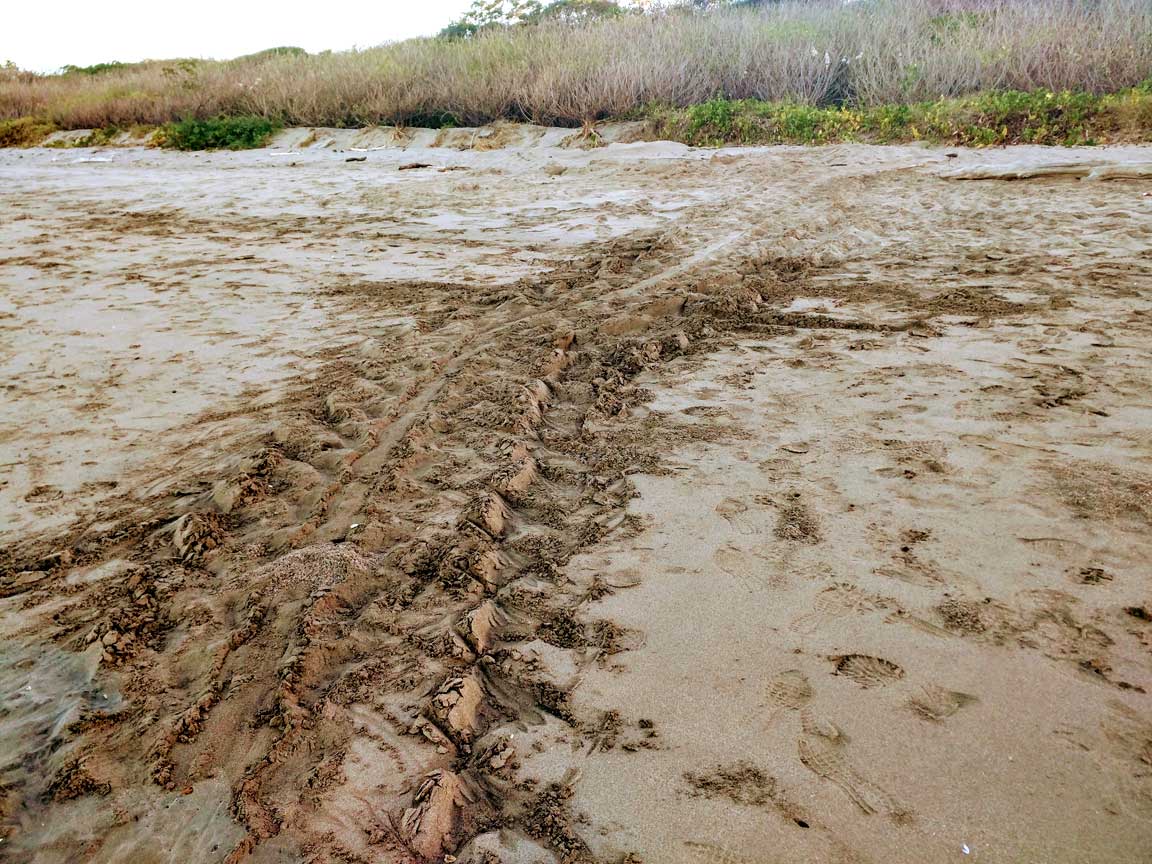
(863, 54)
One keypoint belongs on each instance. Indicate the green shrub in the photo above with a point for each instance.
(97, 137)
(24, 131)
(1126, 116)
(748, 121)
(713, 120)
(982, 120)
(218, 133)
(98, 68)
(271, 54)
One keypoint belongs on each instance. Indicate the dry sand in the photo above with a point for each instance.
(635, 504)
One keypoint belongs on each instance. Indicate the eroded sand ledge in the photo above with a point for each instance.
(498, 136)
(882, 594)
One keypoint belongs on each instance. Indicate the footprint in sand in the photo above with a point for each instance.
(756, 576)
(865, 670)
(735, 512)
(822, 741)
(821, 727)
(936, 703)
(837, 601)
(823, 758)
(790, 689)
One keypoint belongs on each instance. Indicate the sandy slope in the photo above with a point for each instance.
(636, 504)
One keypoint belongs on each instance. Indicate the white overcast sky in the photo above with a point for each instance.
(44, 35)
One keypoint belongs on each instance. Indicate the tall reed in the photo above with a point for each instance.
(860, 54)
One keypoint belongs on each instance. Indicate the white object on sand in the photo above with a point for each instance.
(1089, 169)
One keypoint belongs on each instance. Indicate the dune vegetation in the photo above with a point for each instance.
(970, 71)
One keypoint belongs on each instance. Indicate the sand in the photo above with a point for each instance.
(542, 504)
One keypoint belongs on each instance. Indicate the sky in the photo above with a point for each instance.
(43, 36)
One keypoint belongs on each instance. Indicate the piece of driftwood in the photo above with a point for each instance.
(1089, 170)
(1121, 171)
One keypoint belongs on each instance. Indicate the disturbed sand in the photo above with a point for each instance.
(635, 504)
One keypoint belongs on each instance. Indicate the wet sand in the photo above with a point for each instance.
(634, 504)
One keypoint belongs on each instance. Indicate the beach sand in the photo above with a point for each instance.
(546, 504)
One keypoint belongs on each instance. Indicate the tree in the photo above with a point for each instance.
(578, 11)
(486, 14)
(503, 13)
(458, 30)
